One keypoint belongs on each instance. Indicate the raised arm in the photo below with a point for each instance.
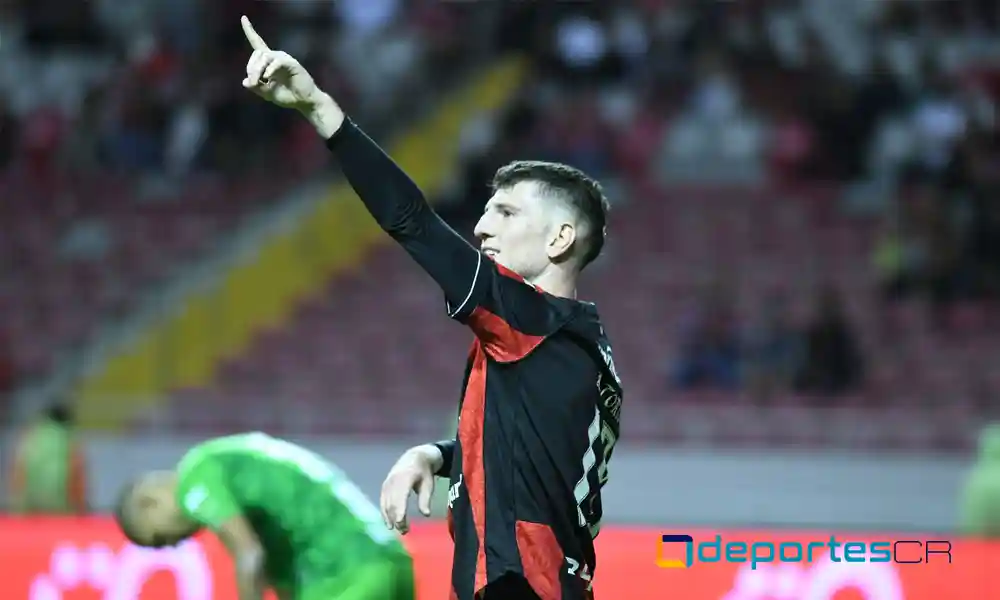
(400, 209)
(392, 198)
(508, 315)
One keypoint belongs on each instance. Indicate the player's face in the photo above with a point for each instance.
(156, 519)
(517, 229)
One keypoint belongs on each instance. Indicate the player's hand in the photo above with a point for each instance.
(414, 471)
(277, 77)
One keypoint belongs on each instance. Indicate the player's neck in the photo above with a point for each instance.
(556, 282)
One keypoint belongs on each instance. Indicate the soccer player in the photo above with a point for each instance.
(291, 520)
(542, 400)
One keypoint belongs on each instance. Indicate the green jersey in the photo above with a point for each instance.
(47, 453)
(313, 523)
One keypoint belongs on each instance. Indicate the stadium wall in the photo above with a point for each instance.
(52, 558)
(656, 485)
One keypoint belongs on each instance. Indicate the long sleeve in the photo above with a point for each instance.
(512, 310)
(447, 448)
(399, 207)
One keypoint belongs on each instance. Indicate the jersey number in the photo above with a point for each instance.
(574, 567)
(321, 471)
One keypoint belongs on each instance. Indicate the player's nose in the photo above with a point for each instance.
(483, 230)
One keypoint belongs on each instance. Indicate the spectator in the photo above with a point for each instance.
(49, 24)
(716, 93)
(980, 505)
(921, 253)
(486, 144)
(772, 349)
(893, 258)
(939, 119)
(709, 354)
(82, 148)
(8, 135)
(833, 362)
(575, 136)
(829, 100)
(582, 51)
(984, 247)
(48, 471)
(945, 273)
(136, 138)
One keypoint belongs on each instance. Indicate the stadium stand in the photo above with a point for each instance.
(80, 249)
(110, 185)
(768, 159)
(927, 383)
(328, 355)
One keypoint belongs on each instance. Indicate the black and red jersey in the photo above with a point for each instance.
(540, 410)
(539, 419)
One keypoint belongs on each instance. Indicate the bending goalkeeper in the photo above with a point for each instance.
(291, 520)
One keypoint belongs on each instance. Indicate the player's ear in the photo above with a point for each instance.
(561, 241)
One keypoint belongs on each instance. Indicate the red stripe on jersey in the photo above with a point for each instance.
(470, 434)
(541, 559)
(501, 341)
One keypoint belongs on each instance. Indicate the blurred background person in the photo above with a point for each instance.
(773, 349)
(980, 508)
(832, 364)
(709, 354)
(49, 471)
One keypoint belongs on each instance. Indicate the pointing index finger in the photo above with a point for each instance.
(256, 42)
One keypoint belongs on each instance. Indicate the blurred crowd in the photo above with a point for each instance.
(153, 85)
(819, 358)
(124, 126)
(892, 101)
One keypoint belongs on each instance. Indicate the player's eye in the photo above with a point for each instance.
(503, 211)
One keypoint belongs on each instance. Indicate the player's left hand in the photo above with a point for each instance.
(276, 76)
(414, 471)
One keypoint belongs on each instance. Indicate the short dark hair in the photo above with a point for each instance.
(577, 188)
(60, 413)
